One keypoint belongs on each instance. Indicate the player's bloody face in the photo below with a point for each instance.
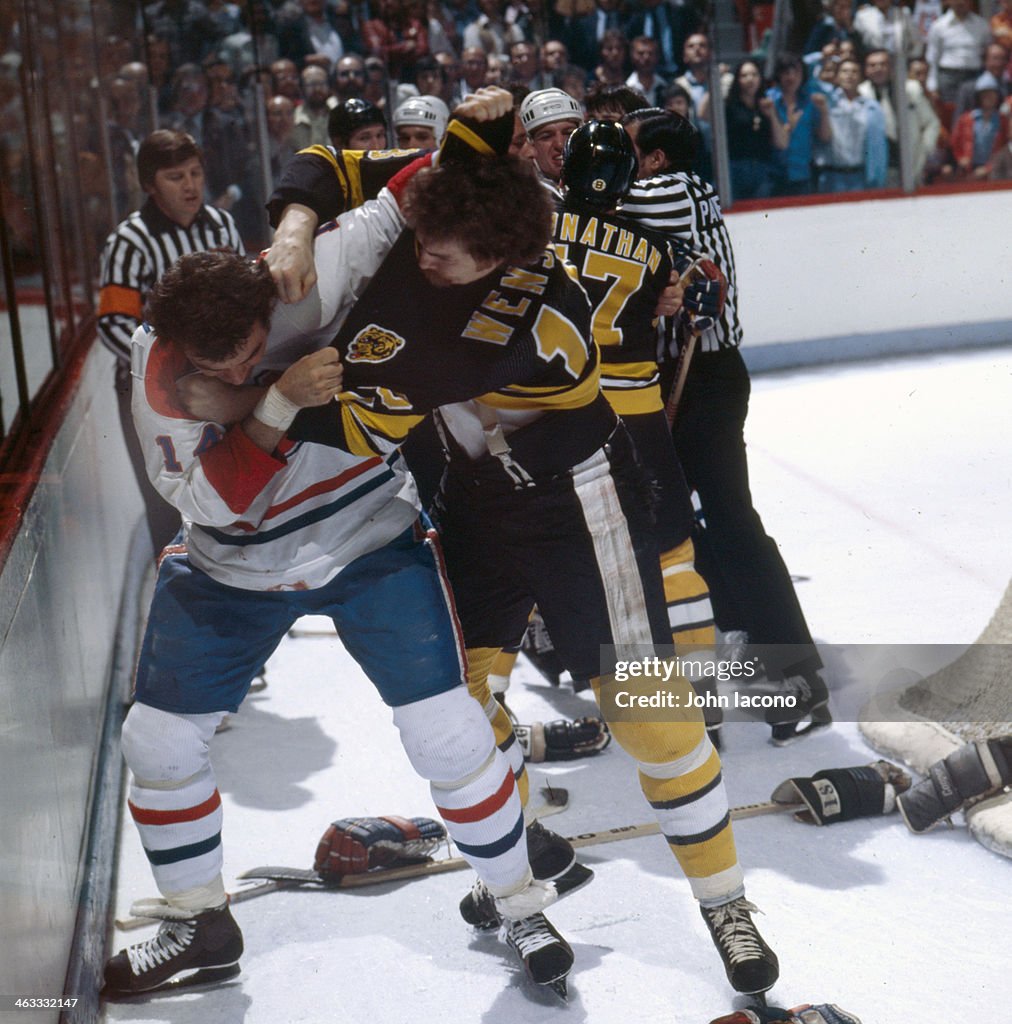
(237, 367)
(445, 262)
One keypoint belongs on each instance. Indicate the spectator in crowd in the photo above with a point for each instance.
(158, 54)
(419, 123)
(474, 62)
(187, 26)
(677, 100)
(173, 220)
(754, 133)
(837, 25)
(857, 155)
(452, 71)
(123, 129)
(669, 24)
(995, 63)
(554, 57)
(499, 70)
(645, 55)
(397, 37)
(255, 42)
(525, 62)
(348, 77)
(309, 26)
(881, 23)
(924, 123)
(614, 58)
(490, 30)
(280, 134)
(980, 134)
(430, 78)
(226, 15)
(925, 14)
(583, 34)
(375, 90)
(311, 116)
(804, 113)
(438, 24)
(285, 80)
(955, 50)
(917, 71)
(572, 80)
(357, 124)
(1001, 24)
(696, 57)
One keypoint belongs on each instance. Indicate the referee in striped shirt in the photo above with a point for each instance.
(750, 587)
(173, 220)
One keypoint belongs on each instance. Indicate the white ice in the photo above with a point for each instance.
(888, 486)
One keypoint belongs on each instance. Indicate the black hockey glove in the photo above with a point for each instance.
(840, 794)
(562, 740)
(972, 772)
(354, 845)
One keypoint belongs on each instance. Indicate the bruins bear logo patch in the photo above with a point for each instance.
(374, 344)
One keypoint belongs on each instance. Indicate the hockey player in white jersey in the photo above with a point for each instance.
(275, 530)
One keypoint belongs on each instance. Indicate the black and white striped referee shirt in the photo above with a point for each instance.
(138, 252)
(687, 209)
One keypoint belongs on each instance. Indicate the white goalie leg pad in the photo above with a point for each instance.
(175, 803)
(450, 742)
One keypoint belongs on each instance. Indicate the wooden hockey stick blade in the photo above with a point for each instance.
(294, 878)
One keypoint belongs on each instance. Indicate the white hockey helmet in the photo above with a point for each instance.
(428, 111)
(547, 105)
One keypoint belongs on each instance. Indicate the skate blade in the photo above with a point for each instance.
(786, 734)
(560, 987)
(205, 977)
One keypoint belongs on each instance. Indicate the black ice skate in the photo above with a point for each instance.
(812, 703)
(199, 950)
(545, 954)
(552, 858)
(751, 966)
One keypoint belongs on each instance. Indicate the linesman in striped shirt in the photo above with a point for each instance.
(174, 220)
(750, 588)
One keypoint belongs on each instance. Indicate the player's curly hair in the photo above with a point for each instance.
(210, 302)
(496, 209)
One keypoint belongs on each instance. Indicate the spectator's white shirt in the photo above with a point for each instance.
(956, 45)
(878, 31)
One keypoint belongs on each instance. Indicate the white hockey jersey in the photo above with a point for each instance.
(291, 520)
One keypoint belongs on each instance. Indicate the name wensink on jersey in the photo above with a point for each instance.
(484, 326)
(604, 237)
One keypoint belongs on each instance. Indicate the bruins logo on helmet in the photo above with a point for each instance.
(599, 184)
(374, 344)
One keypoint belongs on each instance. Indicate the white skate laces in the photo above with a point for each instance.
(735, 930)
(172, 939)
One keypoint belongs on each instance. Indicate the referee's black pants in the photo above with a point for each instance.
(750, 587)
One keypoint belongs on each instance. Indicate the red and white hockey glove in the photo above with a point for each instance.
(355, 845)
(821, 1013)
(705, 291)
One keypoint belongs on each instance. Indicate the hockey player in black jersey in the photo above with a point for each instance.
(749, 584)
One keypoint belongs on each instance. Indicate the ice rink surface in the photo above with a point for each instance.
(888, 486)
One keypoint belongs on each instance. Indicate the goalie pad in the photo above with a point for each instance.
(821, 1013)
(562, 740)
(840, 794)
(355, 845)
(973, 772)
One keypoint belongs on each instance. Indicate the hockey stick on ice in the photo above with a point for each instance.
(276, 877)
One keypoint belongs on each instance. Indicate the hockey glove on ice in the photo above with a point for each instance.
(353, 845)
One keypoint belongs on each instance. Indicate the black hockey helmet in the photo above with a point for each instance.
(351, 115)
(598, 165)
